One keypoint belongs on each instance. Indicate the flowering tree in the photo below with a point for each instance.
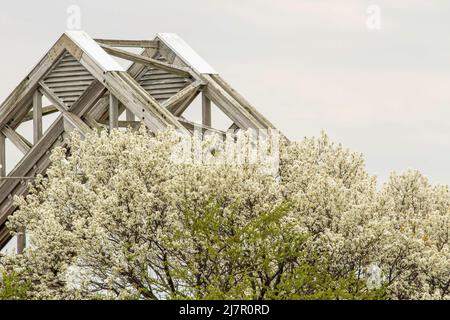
(119, 216)
(414, 218)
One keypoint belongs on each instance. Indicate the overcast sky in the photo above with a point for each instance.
(307, 65)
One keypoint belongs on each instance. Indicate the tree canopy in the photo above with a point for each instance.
(117, 217)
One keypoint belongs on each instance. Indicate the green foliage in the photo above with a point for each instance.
(11, 288)
(116, 218)
(263, 259)
(309, 281)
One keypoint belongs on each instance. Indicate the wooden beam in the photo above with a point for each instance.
(21, 241)
(45, 112)
(19, 141)
(27, 163)
(206, 111)
(89, 98)
(113, 112)
(22, 95)
(2, 155)
(124, 124)
(101, 111)
(140, 102)
(181, 107)
(233, 128)
(47, 92)
(73, 122)
(241, 100)
(70, 120)
(34, 162)
(129, 115)
(129, 43)
(233, 109)
(94, 124)
(37, 116)
(5, 236)
(147, 61)
(173, 102)
(191, 126)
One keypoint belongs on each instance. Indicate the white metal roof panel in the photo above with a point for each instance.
(186, 53)
(94, 51)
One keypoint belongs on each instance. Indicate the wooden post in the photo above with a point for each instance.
(2, 155)
(37, 116)
(37, 135)
(113, 112)
(206, 110)
(129, 115)
(21, 241)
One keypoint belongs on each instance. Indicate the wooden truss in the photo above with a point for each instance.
(89, 89)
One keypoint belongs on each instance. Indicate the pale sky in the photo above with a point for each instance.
(307, 65)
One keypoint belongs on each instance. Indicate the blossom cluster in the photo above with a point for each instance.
(119, 215)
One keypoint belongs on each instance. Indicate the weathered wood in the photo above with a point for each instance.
(35, 162)
(5, 236)
(28, 162)
(101, 111)
(129, 115)
(70, 119)
(21, 241)
(172, 103)
(206, 111)
(129, 43)
(135, 98)
(146, 61)
(64, 79)
(73, 122)
(2, 155)
(22, 95)
(18, 140)
(113, 112)
(236, 112)
(37, 116)
(88, 99)
(45, 112)
(49, 94)
(181, 107)
(124, 124)
(192, 126)
(233, 128)
(240, 99)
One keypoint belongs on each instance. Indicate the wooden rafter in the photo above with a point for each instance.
(71, 120)
(232, 108)
(140, 102)
(146, 61)
(241, 100)
(129, 43)
(34, 162)
(192, 126)
(21, 97)
(173, 103)
(17, 139)
(45, 112)
(181, 107)
(123, 124)
(233, 128)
